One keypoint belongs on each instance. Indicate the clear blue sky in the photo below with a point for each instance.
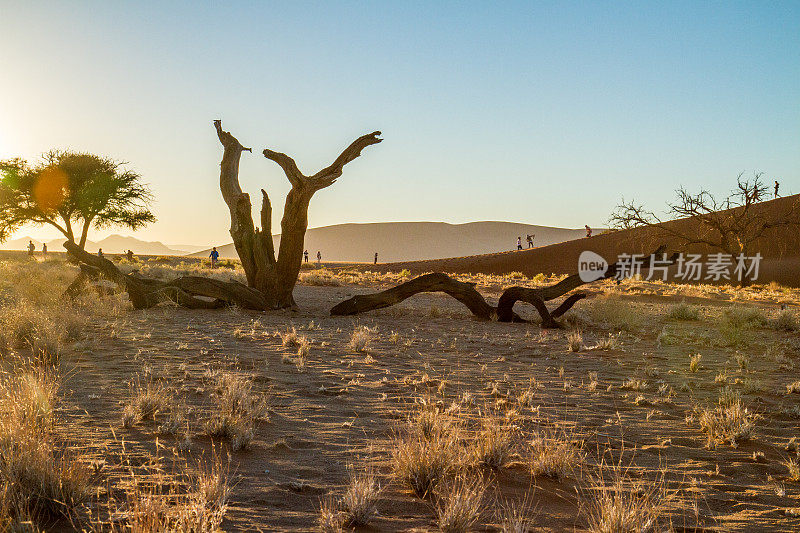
(538, 112)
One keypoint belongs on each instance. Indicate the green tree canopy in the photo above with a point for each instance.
(72, 192)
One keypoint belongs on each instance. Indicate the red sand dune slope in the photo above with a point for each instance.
(780, 249)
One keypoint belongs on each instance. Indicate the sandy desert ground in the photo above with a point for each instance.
(678, 405)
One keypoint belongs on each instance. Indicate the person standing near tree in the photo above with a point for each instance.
(44, 250)
(319, 258)
(214, 255)
(100, 252)
(305, 255)
(31, 248)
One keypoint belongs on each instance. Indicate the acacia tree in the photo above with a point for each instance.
(72, 192)
(731, 225)
(275, 276)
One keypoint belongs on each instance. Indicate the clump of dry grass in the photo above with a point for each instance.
(147, 400)
(575, 341)
(726, 423)
(792, 465)
(158, 503)
(330, 518)
(427, 454)
(494, 444)
(361, 337)
(793, 387)
(694, 362)
(237, 409)
(460, 504)
(358, 504)
(517, 517)
(786, 321)
(743, 317)
(555, 455)
(615, 313)
(684, 311)
(39, 479)
(625, 505)
(291, 339)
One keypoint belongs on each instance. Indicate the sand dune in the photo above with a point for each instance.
(780, 249)
(410, 241)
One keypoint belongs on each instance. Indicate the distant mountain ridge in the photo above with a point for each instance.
(412, 241)
(113, 244)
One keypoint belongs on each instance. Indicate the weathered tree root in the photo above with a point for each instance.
(193, 292)
(472, 299)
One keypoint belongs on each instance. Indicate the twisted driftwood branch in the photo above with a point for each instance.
(472, 299)
(193, 292)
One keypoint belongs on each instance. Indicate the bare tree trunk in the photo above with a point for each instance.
(275, 278)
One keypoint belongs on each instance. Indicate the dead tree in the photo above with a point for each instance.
(732, 225)
(472, 299)
(194, 292)
(272, 276)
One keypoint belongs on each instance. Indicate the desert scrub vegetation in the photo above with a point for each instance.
(428, 452)
(148, 398)
(615, 313)
(236, 410)
(357, 507)
(786, 321)
(460, 503)
(361, 337)
(684, 311)
(555, 454)
(40, 480)
(494, 444)
(160, 501)
(616, 503)
(575, 341)
(727, 423)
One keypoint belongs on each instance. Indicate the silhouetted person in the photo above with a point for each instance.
(588, 230)
(44, 249)
(319, 258)
(100, 252)
(305, 255)
(519, 243)
(129, 255)
(776, 188)
(31, 248)
(214, 255)
(376, 259)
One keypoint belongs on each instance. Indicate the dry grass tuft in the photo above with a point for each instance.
(555, 455)
(786, 321)
(575, 341)
(424, 462)
(729, 423)
(236, 411)
(615, 313)
(494, 445)
(625, 505)
(460, 504)
(684, 311)
(39, 479)
(148, 399)
(361, 337)
(517, 517)
(359, 502)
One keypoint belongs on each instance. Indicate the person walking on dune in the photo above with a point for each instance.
(214, 255)
(530, 240)
(776, 188)
(376, 259)
(588, 230)
(519, 243)
(31, 248)
(305, 255)
(44, 250)
(319, 258)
